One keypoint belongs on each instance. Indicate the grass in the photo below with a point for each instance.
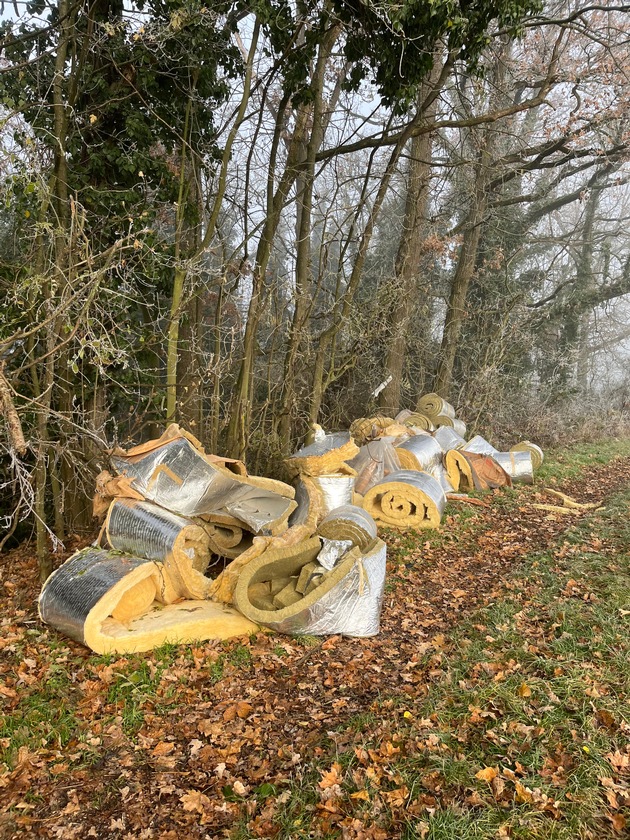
(534, 687)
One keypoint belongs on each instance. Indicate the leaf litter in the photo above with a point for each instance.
(350, 738)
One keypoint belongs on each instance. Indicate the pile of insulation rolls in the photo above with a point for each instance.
(192, 547)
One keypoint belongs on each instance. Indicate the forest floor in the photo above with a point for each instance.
(493, 704)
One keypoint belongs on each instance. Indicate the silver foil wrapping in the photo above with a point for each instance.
(336, 490)
(429, 485)
(442, 476)
(176, 476)
(332, 551)
(426, 450)
(143, 529)
(349, 522)
(518, 465)
(459, 426)
(78, 585)
(301, 513)
(479, 446)
(351, 608)
(448, 438)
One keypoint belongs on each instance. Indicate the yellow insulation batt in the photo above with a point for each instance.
(406, 499)
(108, 602)
(324, 457)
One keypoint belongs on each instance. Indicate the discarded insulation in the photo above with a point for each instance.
(336, 490)
(535, 451)
(178, 476)
(406, 499)
(518, 465)
(480, 446)
(448, 438)
(375, 461)
(472, 471)
(325, 456)
(421, 452)
(349, 523)
(143, 529)
(110, 602)
(345, 600)
(433, 405)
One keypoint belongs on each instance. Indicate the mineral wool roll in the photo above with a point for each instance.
(349, 522)
(419, 421)
(420, 452)
(536, 452)
(459, 470)
(459, 426)
(448, 438)
(479, 445)
(518, 465)
(94, 584)
(105, 601)
(143, 529)
(406, 499)
(432, 405)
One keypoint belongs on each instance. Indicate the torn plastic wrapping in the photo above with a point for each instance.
(177, 476)
(375, 461)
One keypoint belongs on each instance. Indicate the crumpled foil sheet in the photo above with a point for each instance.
(177, 477)
(143, 529)
(78, 585)
(332, 551)
(518, 465)
(351, 608)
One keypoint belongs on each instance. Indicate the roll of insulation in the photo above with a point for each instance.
(433, 405)
(406, 499)
(480, 446)
(518, 465)
(459, 426)
(536, 452)
(420, 452)
(448, 438)
(349, 522)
